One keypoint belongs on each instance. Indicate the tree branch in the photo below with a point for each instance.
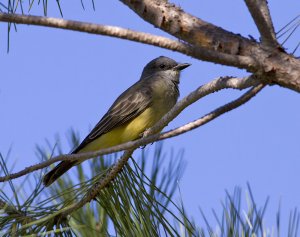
(262, 18)
(211, 87)
(141, 37)
(97, 29)
(177, 22)
(215, 44)
(270, 64)
(118, 166)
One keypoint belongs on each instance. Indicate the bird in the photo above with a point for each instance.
(134, 111)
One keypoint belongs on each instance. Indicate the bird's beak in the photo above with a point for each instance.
(181, 66)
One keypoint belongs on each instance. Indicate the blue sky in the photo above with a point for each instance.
(54, 80)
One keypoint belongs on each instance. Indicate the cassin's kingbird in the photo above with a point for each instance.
(135, 110)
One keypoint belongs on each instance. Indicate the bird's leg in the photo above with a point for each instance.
(144, 134)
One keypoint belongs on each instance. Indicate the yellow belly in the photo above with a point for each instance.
(126, 132)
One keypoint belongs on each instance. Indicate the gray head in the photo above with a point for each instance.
(163, 65)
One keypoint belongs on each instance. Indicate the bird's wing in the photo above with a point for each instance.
(129, 105)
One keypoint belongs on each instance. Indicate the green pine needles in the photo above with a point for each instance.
(138, 202)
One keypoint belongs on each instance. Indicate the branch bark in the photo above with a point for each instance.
(174, 20)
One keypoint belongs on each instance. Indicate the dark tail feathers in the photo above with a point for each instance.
(58, 171)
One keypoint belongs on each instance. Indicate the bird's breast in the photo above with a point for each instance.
(164, 97)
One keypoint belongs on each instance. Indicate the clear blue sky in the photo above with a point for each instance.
(53, 80)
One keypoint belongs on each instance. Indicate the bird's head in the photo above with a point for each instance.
(164, 66)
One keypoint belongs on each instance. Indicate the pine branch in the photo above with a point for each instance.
(131, 191)
(135, 206)
(119, 165)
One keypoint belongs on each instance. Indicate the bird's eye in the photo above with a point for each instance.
(162, 66)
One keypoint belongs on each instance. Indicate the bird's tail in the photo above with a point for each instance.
(58, 171)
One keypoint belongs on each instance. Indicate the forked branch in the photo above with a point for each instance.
(118, 166)
(211, 87)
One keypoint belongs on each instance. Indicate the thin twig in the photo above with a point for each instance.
(211, 87)
(118, 32)
(261, 15)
